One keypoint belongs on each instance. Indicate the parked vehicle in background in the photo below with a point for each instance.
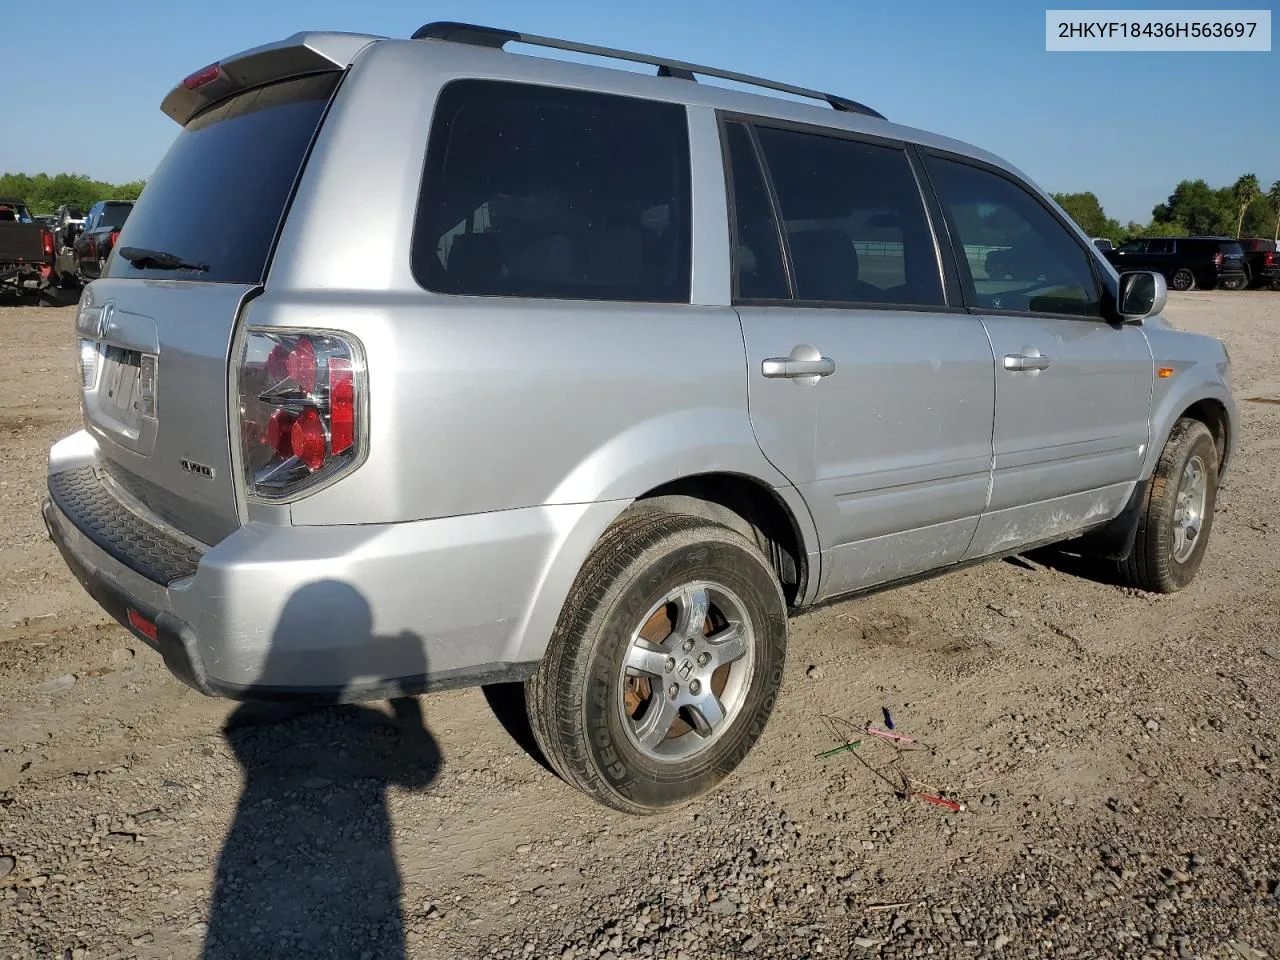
(1103, 244)
(1185, 262)
(69, 222)
(646, 365)
(93, 244)
(26, 251)
(1261, 262)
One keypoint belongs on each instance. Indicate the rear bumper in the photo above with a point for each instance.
(341, 613)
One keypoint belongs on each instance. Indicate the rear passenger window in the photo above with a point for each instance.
(854, 220)
(542, 192)
(758, 271)
(1019, 256)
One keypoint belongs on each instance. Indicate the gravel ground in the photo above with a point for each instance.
(1114, 753)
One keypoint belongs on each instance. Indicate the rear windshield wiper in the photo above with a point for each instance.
(142, 257)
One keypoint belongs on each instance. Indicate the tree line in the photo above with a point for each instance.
(1193, 209)
(44, 193)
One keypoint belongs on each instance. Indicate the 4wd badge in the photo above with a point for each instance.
(199, 469)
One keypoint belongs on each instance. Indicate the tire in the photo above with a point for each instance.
(1235, 283)
(593, 715)
(1182, 279)
(1166, 556)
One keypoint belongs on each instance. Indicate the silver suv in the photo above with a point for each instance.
(422, 363)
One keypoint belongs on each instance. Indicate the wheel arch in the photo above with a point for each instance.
(775, 518)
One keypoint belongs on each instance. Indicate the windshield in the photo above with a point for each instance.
(218, 195)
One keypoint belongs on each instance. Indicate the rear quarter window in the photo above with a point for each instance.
(219, 194)
(536, 191)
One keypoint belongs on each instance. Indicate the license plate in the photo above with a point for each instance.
(120, 377)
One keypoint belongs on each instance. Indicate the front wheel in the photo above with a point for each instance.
(1173, 529)
(665, 664)
(1182, 279)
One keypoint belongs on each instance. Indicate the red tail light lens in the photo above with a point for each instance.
(301, 364)
(202, 76)
(46, 241)
(301, 411)
(115, 235)
(342, 405)
(1269, 259)
(307, 439)
(1217, 259)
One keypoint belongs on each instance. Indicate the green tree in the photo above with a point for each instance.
(1198, 207)
(44, 193)
(1087, 212)
(1169, 228)
(1245, 190)
(1273, 201)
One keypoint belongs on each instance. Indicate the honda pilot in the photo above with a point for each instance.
(617, 373)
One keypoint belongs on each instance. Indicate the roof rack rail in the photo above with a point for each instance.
(497, 39)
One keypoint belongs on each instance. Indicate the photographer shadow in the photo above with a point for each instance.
(309, 866)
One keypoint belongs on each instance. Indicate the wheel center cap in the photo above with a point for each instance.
(685, 668)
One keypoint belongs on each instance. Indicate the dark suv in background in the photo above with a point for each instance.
(1186, 262)
(1261, 262)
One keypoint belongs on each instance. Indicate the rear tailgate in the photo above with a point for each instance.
(22, 243)
(159, 337)
(1232, 257)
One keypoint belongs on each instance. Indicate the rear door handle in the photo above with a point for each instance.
(790, 369)
(1022, 362)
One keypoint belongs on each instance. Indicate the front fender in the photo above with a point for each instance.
(1191, 383)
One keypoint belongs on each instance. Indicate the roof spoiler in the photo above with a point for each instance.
(296, 56)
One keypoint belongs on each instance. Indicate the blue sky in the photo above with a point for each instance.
(1126, 125)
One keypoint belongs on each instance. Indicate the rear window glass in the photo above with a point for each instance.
(219, 193)
(1231, 249)
(115, 214)
(542, 192)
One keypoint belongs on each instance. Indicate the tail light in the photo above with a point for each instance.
(302, 411)
(1269, 259)
(115, 235)
(1217, 259)
(46, 241)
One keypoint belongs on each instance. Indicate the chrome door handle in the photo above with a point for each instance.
(1021, 362)
(791, 369)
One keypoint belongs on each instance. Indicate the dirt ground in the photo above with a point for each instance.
(1115, 752)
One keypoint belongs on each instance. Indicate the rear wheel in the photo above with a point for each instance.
(1235, 283)
(665, 665)
(1182, 279)
(1173, 529)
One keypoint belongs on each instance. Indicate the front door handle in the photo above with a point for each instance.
(791, 369)
(1022, 362)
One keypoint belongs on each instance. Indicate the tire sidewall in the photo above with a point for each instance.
(1200, 443)
(1179, 272)
(622, 767)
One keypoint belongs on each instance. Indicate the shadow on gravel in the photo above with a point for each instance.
(1065, 560)
(309, 867)
(507, 702)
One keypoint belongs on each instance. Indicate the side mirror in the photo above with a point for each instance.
(1142, 294)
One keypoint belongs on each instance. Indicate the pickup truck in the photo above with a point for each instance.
(1261, 262)
(26, 251)
(88, 253)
